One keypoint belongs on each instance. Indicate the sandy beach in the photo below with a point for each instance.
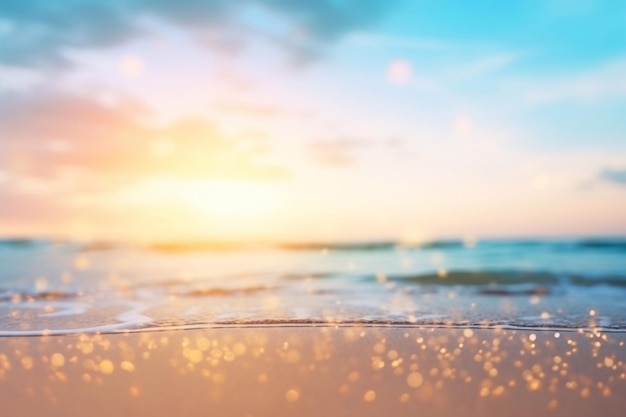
(313, 371)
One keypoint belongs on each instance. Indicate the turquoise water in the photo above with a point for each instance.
(51, 287)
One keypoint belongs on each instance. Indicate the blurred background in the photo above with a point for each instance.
(312, 120)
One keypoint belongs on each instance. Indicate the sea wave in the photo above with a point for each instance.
(507, 278)
(605, 244)
(52, 286)
(595, 244)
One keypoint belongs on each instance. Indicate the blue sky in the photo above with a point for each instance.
(302, 119)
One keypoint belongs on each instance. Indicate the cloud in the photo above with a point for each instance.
(68, 139)
(35, 116)
(329, 20)
(604, 82)
(338, 152)
(15, 79)
(261, 110)
(199, 150)
(483, 67)
(35, 33)
(614, 176)
(370, 40)
(44, 130)
(249, 109)
(21, 212)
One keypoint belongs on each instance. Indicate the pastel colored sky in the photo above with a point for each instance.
(312, 119)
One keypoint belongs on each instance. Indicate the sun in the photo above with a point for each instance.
(230, 200)
(204, 208)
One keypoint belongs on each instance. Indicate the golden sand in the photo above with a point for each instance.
(315, 371)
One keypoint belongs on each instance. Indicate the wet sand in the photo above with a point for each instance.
(315, 371)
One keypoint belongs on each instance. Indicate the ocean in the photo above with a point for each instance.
(71, 287)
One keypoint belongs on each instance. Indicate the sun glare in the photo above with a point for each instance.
(218, 208)
(229, 200)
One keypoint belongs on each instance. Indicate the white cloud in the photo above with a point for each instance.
(483, 66)
(370, 40)
(14, 79)
(604, 82)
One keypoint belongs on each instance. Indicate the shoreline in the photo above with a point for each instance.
(380, 324)
(334, 370)
(120, 329)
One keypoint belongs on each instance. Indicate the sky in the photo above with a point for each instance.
(312, 120)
